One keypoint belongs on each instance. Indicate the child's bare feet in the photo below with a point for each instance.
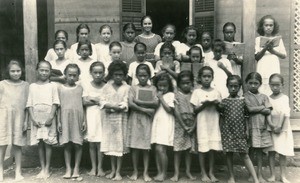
(159, 178)
(190, 176)
(147, 178)
(110, 175)
(204, 178)
(284, 180)
(134, 176)
(271, 179)
(231, 180)
(92, 172)
(213, 178)
(175, 178)
(19, 177)
(75, 173)
(40, 175)
(67, 174)
(261, 180)
(100, 173)
(117, 177)
(47, 174)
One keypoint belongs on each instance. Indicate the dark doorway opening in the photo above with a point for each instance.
(168, 11)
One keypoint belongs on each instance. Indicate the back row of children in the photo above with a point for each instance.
(159, 121)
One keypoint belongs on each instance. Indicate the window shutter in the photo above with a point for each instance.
(204, 15)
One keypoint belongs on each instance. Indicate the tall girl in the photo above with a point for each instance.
(282, 136)
(147, 37)
(268, 55)
(168, 32)
(190, 36)
(162, 134)
(71, 122)
(140, 120)
(51, 54)
(92, 92)
(114, 125)
(206, 40)
(13, 115)
(129, 32)
(102, 48)
(42, 104)
(234, 127)
(259, 109)
(82, 34)
(205, 101)
(184, 135)
(60, 63)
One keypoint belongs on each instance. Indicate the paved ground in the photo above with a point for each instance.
(221, 173)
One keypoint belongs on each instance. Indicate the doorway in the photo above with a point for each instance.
(168, 11)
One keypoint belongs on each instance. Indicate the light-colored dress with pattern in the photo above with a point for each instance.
(151, 43)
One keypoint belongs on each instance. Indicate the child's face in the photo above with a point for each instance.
(83, 34)
(147, 24)
(97, 74)
(276, 85)
(118, 77)
(218, 53)
(84, 51)
(169, 34)
(253, 85)
(72, 76)
(140, 53)
(115, 53)
(15, 72)
(191, 37)
(43, 71)
(142, 76)
(163, 86)
(60, 50)
(206, 78)
(195, 56)
(105, 35)
(229, 33)
(233, 87)
(129, 35)
(61, 36)
(206, 41)
(186, 84)
(268, 26)
(167, 53)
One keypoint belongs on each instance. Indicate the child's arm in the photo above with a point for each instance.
(59, 128)
(178, 117)
(90, 101)
(199, 108)
(83, 127)
(136, 107)
(164, 104)
(25, 124)
(52, 115)
(261, 53)
(277, 53)
(222, 66)
(233, 57)
(35, 123)
(151, 104)
(170, 71)
(129, 80)
(60, 79)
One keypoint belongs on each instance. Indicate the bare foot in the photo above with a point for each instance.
(147, 178)
(261, 180)
(92, 172)
(250, 179)
(117, 177)
(204, 178)
(271, 179)
(75, 173)
(284, 180)
(231, 180)
(159, 178)
(67, 174)
(190, 176)
(111, 175)
(100, 173)
(40, 175)
(47, 174)
(134, 176)
(19, 177)
(175, 178)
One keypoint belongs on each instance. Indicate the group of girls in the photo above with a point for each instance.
(137, 96)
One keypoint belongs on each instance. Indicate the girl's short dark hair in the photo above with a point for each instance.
(168, 26)
(85, 42)
(166, 45)
(185, 31)
(254, 75)
(260, 28)
(208, 33)
(105, 26)
(114, 43)
(59, 42)
(97, 63)
(73, 66)
(229, 24)
(183, 74)
(195, 48)
(234, 77)
(140, 44)
(143, 67)
(218, 43)
(79, 27)
(13, 62)
(163, 76)
(144, 17)
(61, 31)
(116, 66)
(43, 61)
(205, 68)
(129, 25)
(278, 76)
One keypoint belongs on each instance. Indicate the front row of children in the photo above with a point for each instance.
(186, 119)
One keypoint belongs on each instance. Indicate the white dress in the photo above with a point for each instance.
(208, 130)
(102, 51)
(75, 56)
(93, 114)
(208, 55)
(84, 65)
(220, 77)
(164, 123)
(60, 65)
(268, 65)
(283, 143)
(132, 71)
(51, 55)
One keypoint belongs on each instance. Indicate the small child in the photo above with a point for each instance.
(259, 108)
(195, 55)
(102, 48)
(71, 122)
(268, 55)
(114, 124)
(128, 44)
(206, 40)
(162, 134)
(234, 127)
(221, 67)
(140, 52)
(282, 136)
(140, 119)
(184, 135)
(205, 101)
(13, 115)
(42, 104)
(92, 93)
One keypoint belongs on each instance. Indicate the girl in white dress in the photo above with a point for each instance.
(102, 48)
(163, 126)
(92, 92)
(206, 41)
(282, 136)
